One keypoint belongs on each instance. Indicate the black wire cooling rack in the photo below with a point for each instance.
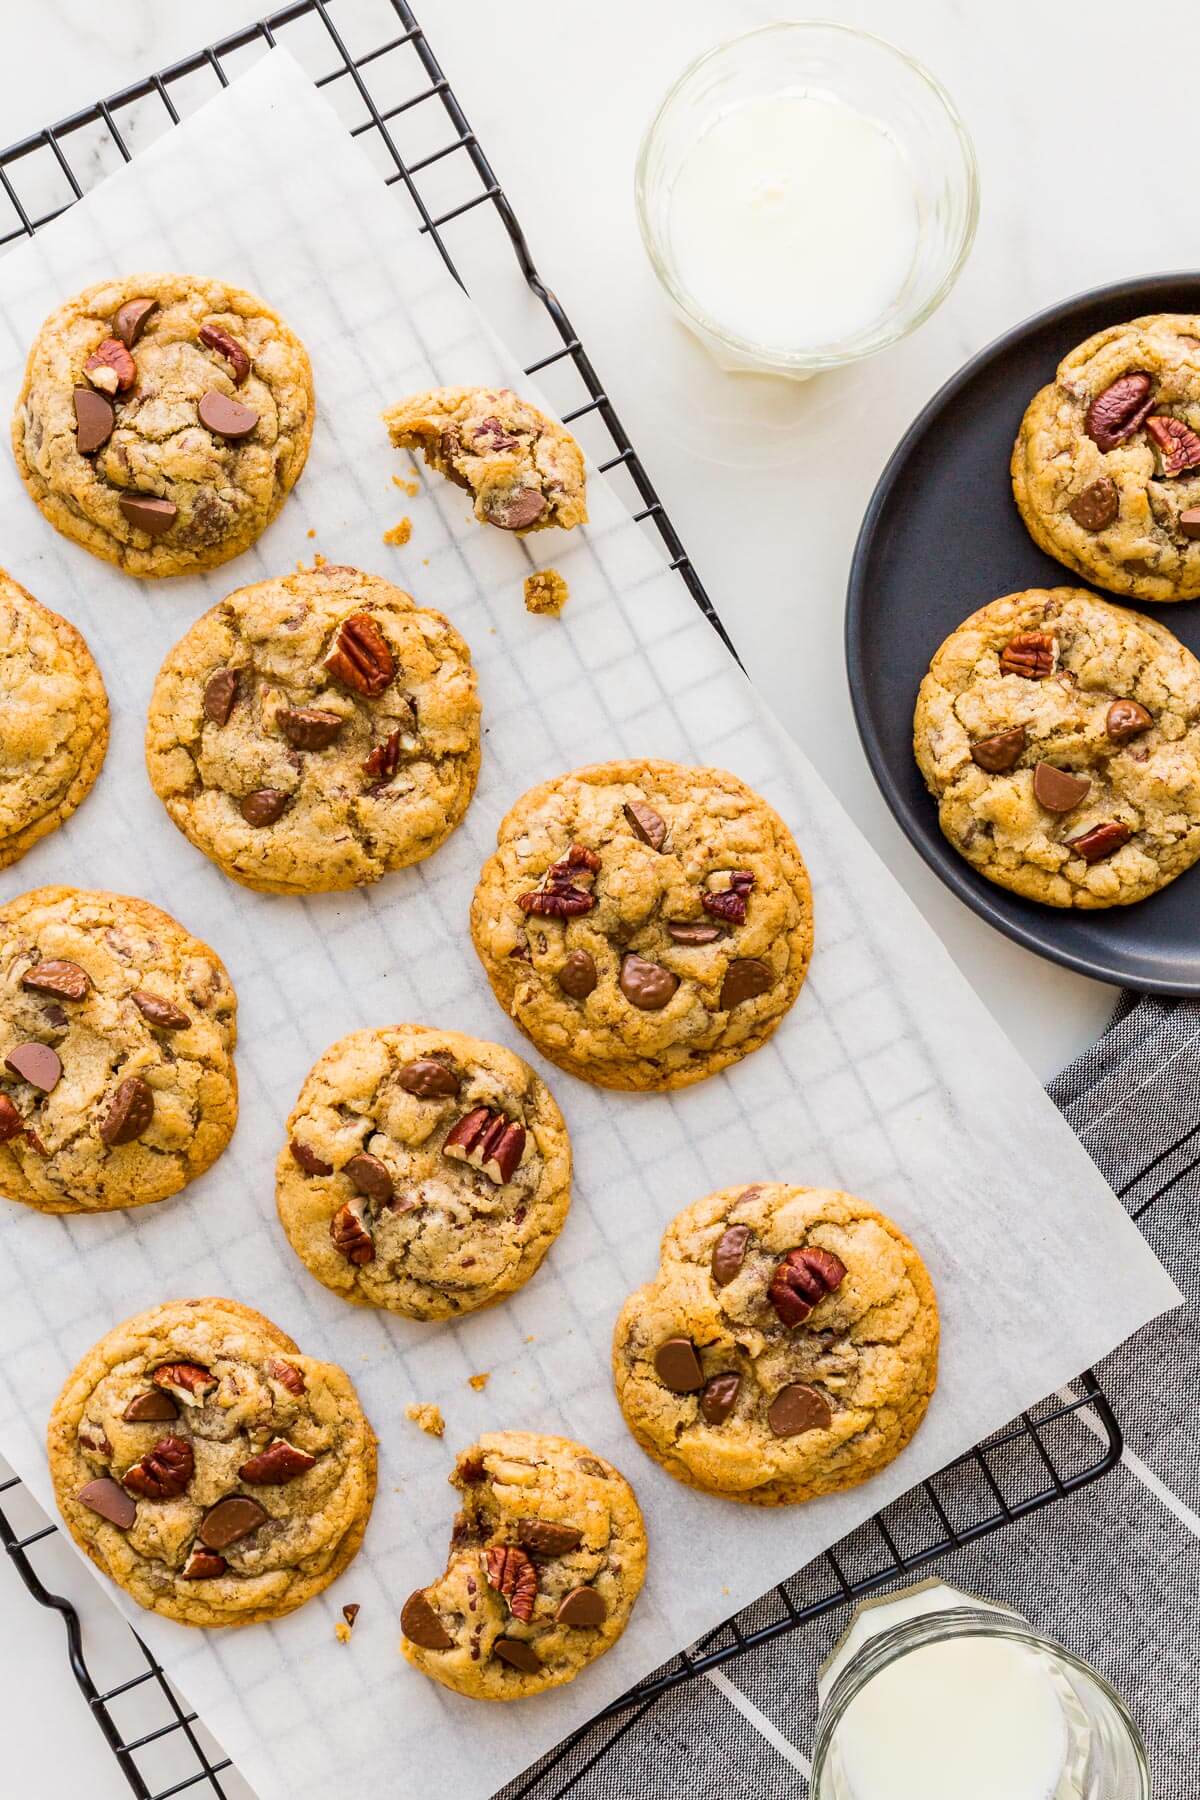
(388, 85)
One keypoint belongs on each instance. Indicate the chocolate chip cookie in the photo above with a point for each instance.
(786, 1348)
(644, 923)
(117, 1027)
(546, 1560)
(425, 1171)
(1060, 737)
(315, 732)
(1106, 466)
(522, 469)
(211, 1470)
(163, 420)
(53, 720)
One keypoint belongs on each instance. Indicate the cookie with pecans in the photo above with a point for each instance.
(523, 471)
(55, 714)
(1106, 466)
(1060, 737)
(315, 732)
(645, 924)
(547, 1557)
(786, 1348)
(117, 1028)
(208, 1468)
(425, 1171)
(163, 420)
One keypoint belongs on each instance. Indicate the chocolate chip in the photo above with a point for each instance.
(644, 984)
(798, 1408)
(263, 806)
(544, 1538)
(163, 1013)
(230, 1520)
(309, 727)
(203, 1565)
(37, 1064)
(64, 979)
(745, 979)
(421, 1625)
(149, 514)
(220, 692)
(108, 1498)
(429, 1078)
(1126, 720)
(1057, 789)
(55, 1016)
(308, 1160)
(719, 1396)
(578, 976)
(370, 1177)
(94, 420)
(729, 1253)
(582, 1606)
(350, 1613)
(1101, 841)
(155, 1404)
(516, 1653)
(678, 1366)
(514, 509)
(683, 933)
(228, 418)
(1000, 753)
(1189, 522)
(1097, 506)
(131, 320)
(646, 823)
(129, 1114)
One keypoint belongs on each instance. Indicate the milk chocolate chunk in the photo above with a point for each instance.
(94, 420)
(644, 984)
(64, 979)
(154, 1405)
(582, 1606)
(719, 1396)
(1126, 720)
(578, 976)
(230, 1520)
(1002, 752)
(370, 1176)
(745, 979)
(130, 320)
(543, 1537)
(129, 1112)
(227, 418)
(646, 824)
(1057, 789)
(263, 807)
(220, 692)
(109, 1499)
(798, 1408)
(37, 1064)
(148, 513)
(513, 1651)
(421, 1625)
(160, 1012)
(678, 1366)
(1097, 506)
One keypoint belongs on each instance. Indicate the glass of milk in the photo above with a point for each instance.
(935, 1695)
(807, 195)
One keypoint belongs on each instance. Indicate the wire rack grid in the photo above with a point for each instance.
(395, 98)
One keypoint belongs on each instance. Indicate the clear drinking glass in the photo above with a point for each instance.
(1106, 1758)
(832, 62)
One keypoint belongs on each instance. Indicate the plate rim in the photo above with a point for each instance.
(937, 855)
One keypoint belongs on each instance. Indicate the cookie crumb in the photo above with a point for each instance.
(427, 1416)
(341, 1632)
(479, 1382)
(399, 534)
(411, 488)
(546, 592)
(531, 1339)
(312, 531)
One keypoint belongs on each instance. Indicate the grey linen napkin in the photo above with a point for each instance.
(1113, 1571)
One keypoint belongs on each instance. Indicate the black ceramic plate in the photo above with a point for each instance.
(942, 537)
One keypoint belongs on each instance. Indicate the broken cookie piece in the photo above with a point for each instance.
(546, 592)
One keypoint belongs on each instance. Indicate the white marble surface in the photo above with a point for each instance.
(766, 482)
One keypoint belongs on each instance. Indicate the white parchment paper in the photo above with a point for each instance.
(887, 1078)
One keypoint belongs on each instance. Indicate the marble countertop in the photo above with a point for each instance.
(766, 481)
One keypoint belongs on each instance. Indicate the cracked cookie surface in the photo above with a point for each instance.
(314, 732)
(522, 469)
(645, 924)
(425, 1171)
(117, 1028)
(1060, 736)
(53, 720)
(787, 1347)
(1106, 465)
(208, 1468)
(547, 1558)
(163, 420)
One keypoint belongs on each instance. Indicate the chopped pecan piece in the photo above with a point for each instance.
(11, 1122)
(164, 1472)
(110, 367)
(512, 1574)
(1029, 653)
(279, 1463)
(561, 896)
(383, 761)
(729, 903)
(92, 1437)
(189, 1382)
(1100, 841)
(1116, 414)
(801, 1280)
(361, 658)
(235, 354)
(350, 1235)
(1178, 445)
(287, 1375)
(488, 1141)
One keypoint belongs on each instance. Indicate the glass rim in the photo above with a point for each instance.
(909, 1635)
(836, 351)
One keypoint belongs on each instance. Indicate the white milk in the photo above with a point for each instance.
(793, 221)
(970, 1717)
